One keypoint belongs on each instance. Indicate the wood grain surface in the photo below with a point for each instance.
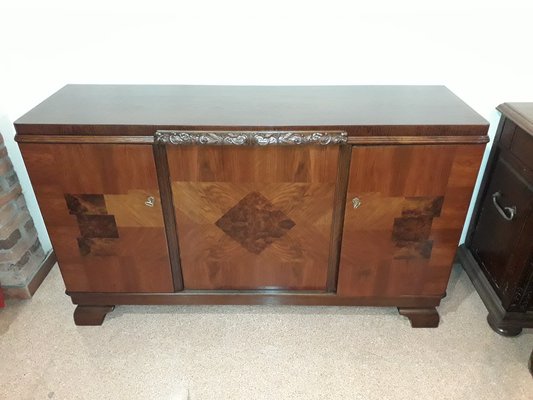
(403, 237)
(503, 248)
(252, 218)
(142, 109)
(498, 252)
(520, 113)
(92, 200)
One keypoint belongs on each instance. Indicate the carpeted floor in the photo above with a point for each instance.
(258, 352)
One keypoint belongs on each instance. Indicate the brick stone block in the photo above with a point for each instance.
(21, 253)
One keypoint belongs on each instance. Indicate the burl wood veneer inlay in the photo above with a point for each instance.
(104, 236)
(84, 204)
(97, 227)
(402, 239)
(255, 223)
(251, 217)
(254, 195)
(411, 231)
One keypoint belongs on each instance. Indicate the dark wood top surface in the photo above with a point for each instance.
(520, 113)
(234, 107)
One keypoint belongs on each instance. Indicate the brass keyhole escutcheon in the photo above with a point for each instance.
(356, 202)
(150, 202)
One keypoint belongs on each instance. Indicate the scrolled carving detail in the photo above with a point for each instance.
(523, 297)
(250, 138)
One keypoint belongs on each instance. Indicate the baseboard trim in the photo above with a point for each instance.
(27, 291)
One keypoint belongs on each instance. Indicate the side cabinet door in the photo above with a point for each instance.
(106, 230)
(405, 211)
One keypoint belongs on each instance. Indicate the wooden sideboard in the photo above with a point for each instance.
(348, 195)
(498, 252)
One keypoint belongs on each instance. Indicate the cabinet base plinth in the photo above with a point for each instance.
(92, 307)
(421, 317)
(91, 315)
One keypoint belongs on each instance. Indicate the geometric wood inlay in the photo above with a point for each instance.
(92, 197)
(93, 204)
(413, 201)
(253, 217)
(418, 206)
(97, 228)
(255, 223)
(411, 229)
(410, 232)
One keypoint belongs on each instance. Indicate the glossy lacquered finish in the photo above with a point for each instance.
(92, 198)
(254, 195)
(132, 110)
(287, 191)
(499, 248)
(402, 238)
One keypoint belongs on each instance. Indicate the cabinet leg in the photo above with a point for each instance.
(501, 329)
(91, 315)
(421, 317)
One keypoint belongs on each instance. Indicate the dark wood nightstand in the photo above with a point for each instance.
(498, 252)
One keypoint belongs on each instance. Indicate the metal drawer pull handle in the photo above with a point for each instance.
(508, 213)
(356, 202)
(150, 201)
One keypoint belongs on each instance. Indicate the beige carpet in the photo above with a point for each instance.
(258, 352)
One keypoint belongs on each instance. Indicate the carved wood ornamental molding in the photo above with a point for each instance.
(250, 138)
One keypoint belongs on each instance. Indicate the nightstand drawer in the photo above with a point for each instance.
(522, 147)
(508, 130)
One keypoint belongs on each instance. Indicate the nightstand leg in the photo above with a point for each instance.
(501, 329)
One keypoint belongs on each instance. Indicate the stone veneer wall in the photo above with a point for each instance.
(21, 254)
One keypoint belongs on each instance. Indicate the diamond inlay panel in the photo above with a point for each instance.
(255, 223)
(252, 217)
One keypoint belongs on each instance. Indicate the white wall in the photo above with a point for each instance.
(481, 50)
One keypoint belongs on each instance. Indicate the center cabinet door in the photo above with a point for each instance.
(253, 217)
